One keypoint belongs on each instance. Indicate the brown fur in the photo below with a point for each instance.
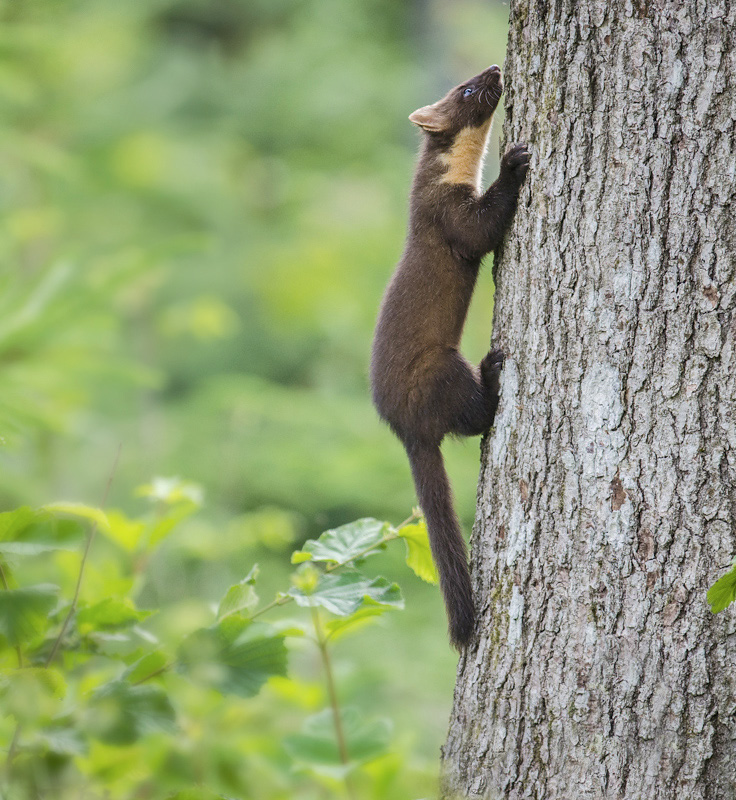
(422, 386)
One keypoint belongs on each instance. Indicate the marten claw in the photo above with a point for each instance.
(516, 161)
(491, 365)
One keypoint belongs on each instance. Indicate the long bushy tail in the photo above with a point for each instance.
(445, 538)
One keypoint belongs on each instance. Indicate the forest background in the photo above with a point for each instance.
(202, 201)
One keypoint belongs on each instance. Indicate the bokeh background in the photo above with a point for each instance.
(201, 202)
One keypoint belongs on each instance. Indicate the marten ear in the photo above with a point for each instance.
(430, 118)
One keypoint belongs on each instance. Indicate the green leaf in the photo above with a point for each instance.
(366, 614)
(723, 592)
(33, 694)
(344, 544)
(306, 577)
(13, 522)
(121, 643)
(64, 741)
(418, 552)
(166, 524)
(80, 510)
(111, 613)
(107, 575)
(29, 548)
(120, 714)
(147, 665)
(125, 531)
(25, 532)
(240, 597)
(234, 656)
(344, 594)
(24, 612)
(317, 742)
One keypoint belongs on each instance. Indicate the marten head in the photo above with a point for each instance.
(469, 105)
(457, 126)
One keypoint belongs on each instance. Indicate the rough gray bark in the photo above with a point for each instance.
(608, 488)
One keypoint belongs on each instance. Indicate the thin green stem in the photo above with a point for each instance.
(342, 746)
(155, 673)
(88, 545)
(413, 517)
(279, 601)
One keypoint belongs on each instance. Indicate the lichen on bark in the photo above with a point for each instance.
(607, 498)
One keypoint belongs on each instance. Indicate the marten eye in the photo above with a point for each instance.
(468, 91)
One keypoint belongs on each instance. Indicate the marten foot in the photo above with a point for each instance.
(490, 370)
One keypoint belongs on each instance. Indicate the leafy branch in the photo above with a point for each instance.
(235, 655)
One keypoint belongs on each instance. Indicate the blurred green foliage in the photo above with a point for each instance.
(87, 677)
(201, 203)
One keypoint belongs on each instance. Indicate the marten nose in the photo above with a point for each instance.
(492, 76)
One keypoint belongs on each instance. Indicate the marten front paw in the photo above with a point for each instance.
(515, 162)
(490, 369)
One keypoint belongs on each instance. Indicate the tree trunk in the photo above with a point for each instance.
(608, 489)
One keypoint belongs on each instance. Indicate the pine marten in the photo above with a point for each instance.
(422, 386)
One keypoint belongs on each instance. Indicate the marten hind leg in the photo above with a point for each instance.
(476, 395)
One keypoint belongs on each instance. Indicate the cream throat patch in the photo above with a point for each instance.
(464, 160)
